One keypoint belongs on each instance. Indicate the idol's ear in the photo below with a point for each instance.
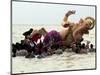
(91, 21)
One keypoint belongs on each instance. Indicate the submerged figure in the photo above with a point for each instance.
(87, 44)
(30, 47)
(27, 33)
(83, 48)
(14, 49)
(91, 48)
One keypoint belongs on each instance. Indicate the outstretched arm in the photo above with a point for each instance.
(65, 20)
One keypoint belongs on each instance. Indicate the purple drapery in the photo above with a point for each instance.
(52, 35)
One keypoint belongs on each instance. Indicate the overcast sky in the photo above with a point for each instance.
(41, 13)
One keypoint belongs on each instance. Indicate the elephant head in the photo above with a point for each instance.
(83, 27)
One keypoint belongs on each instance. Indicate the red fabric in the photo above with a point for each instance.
(36, 37)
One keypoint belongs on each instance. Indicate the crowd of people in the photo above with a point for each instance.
(42, 49)
(32, 47)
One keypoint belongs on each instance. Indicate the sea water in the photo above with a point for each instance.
(65, 61)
